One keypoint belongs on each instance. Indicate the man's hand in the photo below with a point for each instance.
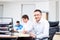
(24, 31)
(32, 35)
(14, 30)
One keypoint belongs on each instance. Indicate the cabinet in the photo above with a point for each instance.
(6, 25)
(45, 15)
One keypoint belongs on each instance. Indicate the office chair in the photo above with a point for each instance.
(45, 38)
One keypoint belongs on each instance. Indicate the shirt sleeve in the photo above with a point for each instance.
(45, 31)
(32, 30)
(15, 28)
(20, 30)
(28, 27)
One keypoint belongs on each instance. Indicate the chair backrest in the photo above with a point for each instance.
(53, 28)
(53, 24)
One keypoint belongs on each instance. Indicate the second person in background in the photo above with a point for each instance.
(27, 25)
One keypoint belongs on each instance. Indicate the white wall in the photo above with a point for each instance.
(1, 9)
(44, 6)
(13, 9)
(59, 12)
(52, 11)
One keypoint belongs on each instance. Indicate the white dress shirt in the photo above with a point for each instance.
(41, 29)
(27, 26)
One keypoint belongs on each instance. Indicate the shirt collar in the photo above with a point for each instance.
(18, 25)
(40, 20)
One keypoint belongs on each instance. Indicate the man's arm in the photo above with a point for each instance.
(44, 34)
(45, 31)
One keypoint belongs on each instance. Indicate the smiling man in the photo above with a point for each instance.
(40, 26)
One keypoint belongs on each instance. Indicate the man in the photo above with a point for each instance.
(18, 27)
(27, 25)
(40, 26)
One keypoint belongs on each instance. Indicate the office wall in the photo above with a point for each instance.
(1, 10)
(13, 9)
(59, 12)
(44, 6)
(52, 11)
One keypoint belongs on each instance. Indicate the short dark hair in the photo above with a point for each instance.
(17, 22)
(25, 16)
(37, 10)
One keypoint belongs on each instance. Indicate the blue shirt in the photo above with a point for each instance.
(18, 27)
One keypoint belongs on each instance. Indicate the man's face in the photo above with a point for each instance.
(37, 16)
(25, 20)
(18, 23)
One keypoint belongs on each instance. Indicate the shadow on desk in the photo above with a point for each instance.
(19, 38)
(25, 38)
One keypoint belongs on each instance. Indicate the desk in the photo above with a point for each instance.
(16, 37)
(22, 36)
(57, 36)
(8, 37)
